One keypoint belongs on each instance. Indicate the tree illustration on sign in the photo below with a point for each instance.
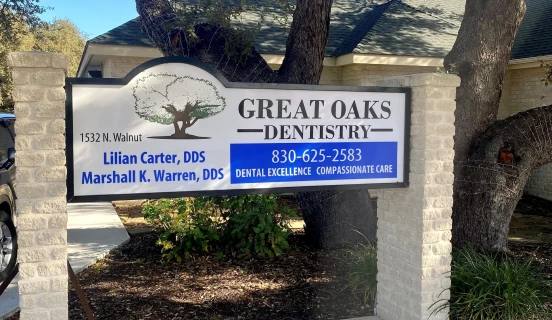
(178, 100)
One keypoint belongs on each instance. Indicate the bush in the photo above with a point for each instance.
(493, 286)
(255, 224)
(364, 270)
(184, 226)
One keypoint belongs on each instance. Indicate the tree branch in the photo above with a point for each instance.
(171, 111)
(195, 106)
(156, 17)
(495, 174)
(164, 96)
(160, 22)
(194, 121)
(527, 135)
(305, 48)
(190, 108)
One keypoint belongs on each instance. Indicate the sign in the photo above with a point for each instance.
(176, 127)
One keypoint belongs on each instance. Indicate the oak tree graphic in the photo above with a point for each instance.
(178, 100)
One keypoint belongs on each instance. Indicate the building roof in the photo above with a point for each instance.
(534, 38)
(414, 28)
(394, 27)
(127, 34)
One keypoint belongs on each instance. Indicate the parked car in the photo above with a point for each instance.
(8, 234)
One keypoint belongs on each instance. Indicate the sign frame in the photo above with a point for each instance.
(69, 82)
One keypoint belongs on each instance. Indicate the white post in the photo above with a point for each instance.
(414, 224)
(38, 80)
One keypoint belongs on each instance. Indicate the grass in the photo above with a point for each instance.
(364, 270)
(496, 287)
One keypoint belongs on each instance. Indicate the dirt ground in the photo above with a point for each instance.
(531, 231)
(131, 216)
(534, 206)
(132, 283)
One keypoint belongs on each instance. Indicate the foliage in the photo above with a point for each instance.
(22, 30)
(18, 19)
(62, 36)
(255, 225)
(233, 20)
(17, 13)
(364, 271)
(183, 226)
(154, 92)
(495, 286)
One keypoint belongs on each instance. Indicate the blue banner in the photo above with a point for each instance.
(283, 162)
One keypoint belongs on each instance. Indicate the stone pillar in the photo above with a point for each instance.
(414, 224)
(38, 80)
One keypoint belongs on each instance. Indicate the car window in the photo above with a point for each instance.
(11, 124)
(6, 142)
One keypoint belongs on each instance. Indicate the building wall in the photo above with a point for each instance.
(118, 67)
(527, 90)
(332, 76)
(350, 75)
(523, 90)
(504, 107)
(540, 182)
(368, 75)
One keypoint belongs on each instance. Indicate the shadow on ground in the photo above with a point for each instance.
(131, 283)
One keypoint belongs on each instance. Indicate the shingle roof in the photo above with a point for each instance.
(129, 34)
(367, 20)
(406, 28)
(534, 38)
(397, 27)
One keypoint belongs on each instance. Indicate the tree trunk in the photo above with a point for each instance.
(338, 218)
(480, 56)
(331, 217)
(306, 43)
(496, 173)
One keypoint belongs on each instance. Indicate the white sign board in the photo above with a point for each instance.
(176, 127)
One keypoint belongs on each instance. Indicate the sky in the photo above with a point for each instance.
(92, 17)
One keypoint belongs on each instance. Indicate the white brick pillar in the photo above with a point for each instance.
(414, 224)
(38, 79)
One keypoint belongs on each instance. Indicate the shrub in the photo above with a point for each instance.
(494, 286)
(255, 224)
(364, 270)
(184, 226)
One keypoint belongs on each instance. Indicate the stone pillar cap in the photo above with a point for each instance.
(37, 59)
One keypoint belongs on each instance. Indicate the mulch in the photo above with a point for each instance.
(132, 283)
(540, 253)
(304, 283)
(534, 206)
